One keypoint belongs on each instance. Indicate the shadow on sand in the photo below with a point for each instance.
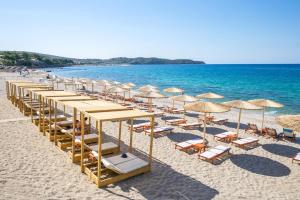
(165, 183)
(281, 150)
(182, 136)
(214, 130)
(234, 125)
(260, 165)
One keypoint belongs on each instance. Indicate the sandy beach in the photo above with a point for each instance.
(31, 167)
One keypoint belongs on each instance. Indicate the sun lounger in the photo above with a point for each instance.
(252, 128)
(246, 142)
(177, 111)
(190, 125)
(122, 165)
(296, 158)
(219, 121)
(215, 153)
(159, 130)
(88, 138)
(271, 132)
(175, 121)
(189, 144)
(141, 126)
(158, 114)
(226, 136)
(289, 134)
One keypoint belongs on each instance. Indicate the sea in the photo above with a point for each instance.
(278, 82)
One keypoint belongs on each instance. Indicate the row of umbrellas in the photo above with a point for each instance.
(151, 92)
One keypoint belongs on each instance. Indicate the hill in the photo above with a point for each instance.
(37, 60)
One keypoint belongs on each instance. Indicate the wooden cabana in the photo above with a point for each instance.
(16, 93)
(24, 95)
(9, 87)
(52, 102)
(109, 170)
(84, 106)
(41, 98)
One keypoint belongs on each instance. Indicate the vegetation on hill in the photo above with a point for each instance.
(37, 60)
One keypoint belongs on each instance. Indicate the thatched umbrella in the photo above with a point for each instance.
(289, 121)
(150, 96)
(148, 89)
(241, 105)
(206, 107)
(174, 90)
(209, 95)
(117, 90)
(130, 84)
(126, 87)
(264, 103)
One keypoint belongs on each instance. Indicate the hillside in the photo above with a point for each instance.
(37, 60)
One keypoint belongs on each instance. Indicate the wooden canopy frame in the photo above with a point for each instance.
(53, 101)
(100, 118)
(9, 87)
(86, 106)
(41, 98)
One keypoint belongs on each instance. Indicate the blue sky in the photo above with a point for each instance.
(216, 31)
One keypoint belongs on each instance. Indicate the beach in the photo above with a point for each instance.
(31, 167)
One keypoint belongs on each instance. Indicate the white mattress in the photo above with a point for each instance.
(123, 165)
(104, 146)
(86, 137)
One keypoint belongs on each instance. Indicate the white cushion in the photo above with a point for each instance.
(104, 146)
(184, 144)
(86, 137)
(195, 141)
(208, 154)
(297, 157)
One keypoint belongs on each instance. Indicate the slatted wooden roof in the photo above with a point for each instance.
(53, 93)
(119, 115)
(69, 98)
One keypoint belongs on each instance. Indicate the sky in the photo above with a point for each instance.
(215, 31)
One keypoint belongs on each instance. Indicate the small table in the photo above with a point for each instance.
(199, 147)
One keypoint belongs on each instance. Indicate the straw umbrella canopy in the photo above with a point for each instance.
(206, 107)
(150, 96)
(148, 88)
(117, 90)
(183, 98)
(126, 87)
(130, 84)
(289, 121)
(209, 95)
(174, 90)
(264, 103)
(241, 105)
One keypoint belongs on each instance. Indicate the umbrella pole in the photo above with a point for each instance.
(92, 87)
(204, 129)
(263, 119)
(238, 125)
(173, 104)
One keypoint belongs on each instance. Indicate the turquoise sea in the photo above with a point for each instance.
(280, 82)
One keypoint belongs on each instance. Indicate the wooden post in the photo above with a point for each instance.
(151, 140)
(120, 134)
(82, 140)
(73, 135)
(90, 127)
(43, 101)
(40, 112)
(64, 110)
(99, 153)
(50, 118)
(55, 121)
(131, 134)
(31, 111)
